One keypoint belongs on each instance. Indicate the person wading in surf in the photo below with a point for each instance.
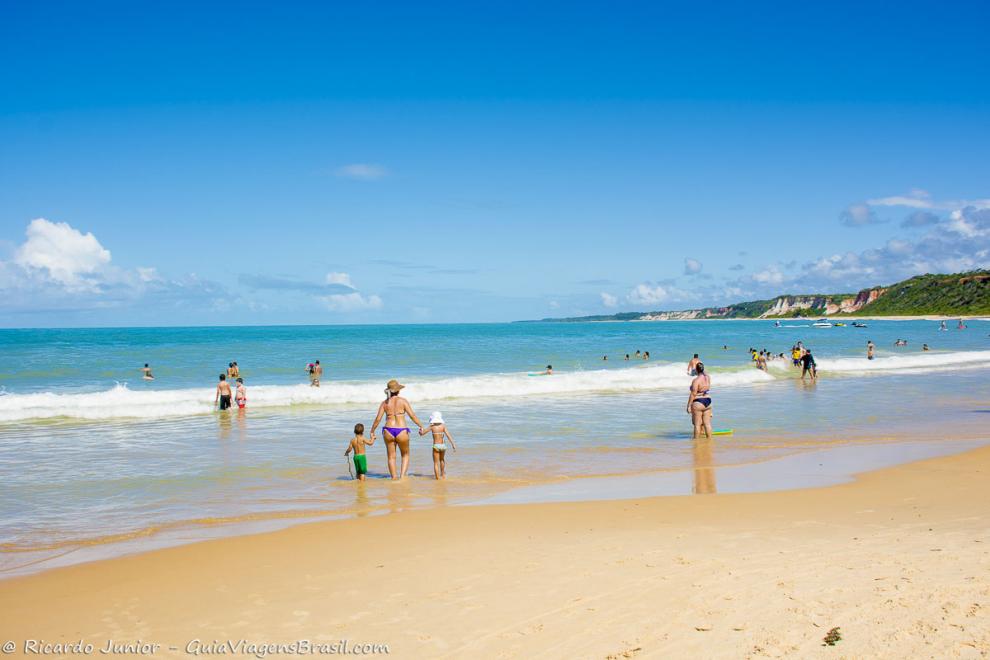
(395, 408)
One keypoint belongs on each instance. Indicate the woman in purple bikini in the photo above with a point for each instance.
(395, 408)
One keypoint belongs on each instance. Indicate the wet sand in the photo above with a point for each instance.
(898, 560)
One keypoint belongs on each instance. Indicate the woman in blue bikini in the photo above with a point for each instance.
(395, 408)
(700, 402)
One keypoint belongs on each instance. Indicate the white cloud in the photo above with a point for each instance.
(769, 275)
(65, 255)
(969, 223)
(921, 199)
(553, 304)
(920, 219)
(916, 199)
(691, 266)
(609, 300)
(858, 215)
(148, 274)
(956, 243)
(362, 171)
(351, 302)
(343, 279)
(648, 294)
(58, 267)
(897, 246)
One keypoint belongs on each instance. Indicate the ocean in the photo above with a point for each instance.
(96, 462)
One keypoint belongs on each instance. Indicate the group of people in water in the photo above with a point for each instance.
(644, 355)
(222, 400)
(393, 411)
(800, 357)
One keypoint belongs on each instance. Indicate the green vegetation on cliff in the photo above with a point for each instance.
(961, 294)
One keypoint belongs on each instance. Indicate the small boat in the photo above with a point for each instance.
(840, 324)
(821, 323)
(859, 324)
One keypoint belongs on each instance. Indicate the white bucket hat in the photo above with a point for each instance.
(436, 417)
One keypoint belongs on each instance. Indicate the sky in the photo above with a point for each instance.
(375, 162)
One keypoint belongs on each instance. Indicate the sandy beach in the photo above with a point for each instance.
(898, 560)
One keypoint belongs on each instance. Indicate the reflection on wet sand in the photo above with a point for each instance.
(397, 495)
(224, 425)
(362, 506)
(242, 425)
(440, 493)
(704, 472)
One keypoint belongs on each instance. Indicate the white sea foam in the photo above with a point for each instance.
(122, 402)
(907, 363)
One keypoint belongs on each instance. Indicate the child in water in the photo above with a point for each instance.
(240, 396)
(439, 429)
(357, 445)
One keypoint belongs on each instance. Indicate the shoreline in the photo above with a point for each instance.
(842, 317)
(800, 468)
(897, 558)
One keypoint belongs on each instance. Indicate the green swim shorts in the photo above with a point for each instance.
(361, 463)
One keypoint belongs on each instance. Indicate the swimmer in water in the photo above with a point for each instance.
(692, 364)
(394, 409)
(699, 404)
(222, 399)
(924, 347)
(808, 366)
(240, 396)
(761, 361)
(646, 355)
(357, 445)
(548, 372)
(439, 429)
(146, 370)
(869, 350)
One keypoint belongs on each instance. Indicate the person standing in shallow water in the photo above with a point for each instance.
(222, 398)
(395, 408)
(146, 370)
(699, 404)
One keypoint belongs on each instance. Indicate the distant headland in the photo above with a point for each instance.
(959, 294)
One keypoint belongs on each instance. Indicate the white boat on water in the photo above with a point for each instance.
(821, 323)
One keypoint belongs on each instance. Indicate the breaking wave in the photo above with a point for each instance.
(122, 402)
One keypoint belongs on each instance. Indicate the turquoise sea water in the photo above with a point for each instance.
(96, 461)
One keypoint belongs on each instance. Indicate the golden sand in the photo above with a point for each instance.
(898, 561)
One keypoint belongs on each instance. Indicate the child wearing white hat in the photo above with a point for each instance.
(439, 429)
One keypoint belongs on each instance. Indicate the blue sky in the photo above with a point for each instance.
(428, 162)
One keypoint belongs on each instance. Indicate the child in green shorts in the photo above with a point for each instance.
(357, 445)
